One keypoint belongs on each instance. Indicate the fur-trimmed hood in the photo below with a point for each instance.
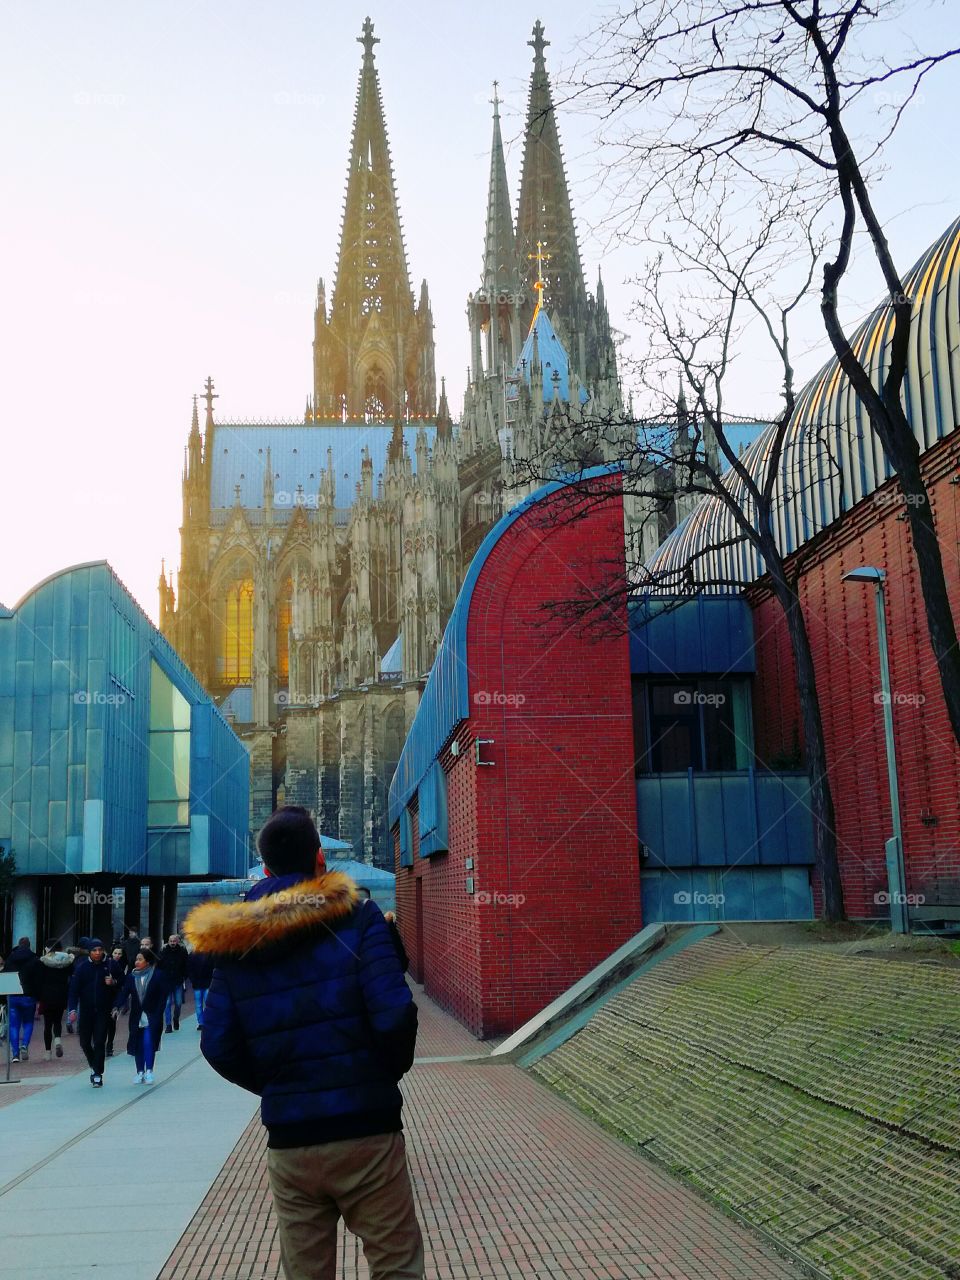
(278, 912)
(56, 959)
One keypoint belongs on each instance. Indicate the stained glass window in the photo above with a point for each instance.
(236, 633)
(284, 619)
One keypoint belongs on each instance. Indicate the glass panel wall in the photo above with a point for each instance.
(168, 790)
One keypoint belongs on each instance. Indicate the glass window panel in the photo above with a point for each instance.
(236, 634)
(169, 709)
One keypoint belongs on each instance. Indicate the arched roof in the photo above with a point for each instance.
(831, 456)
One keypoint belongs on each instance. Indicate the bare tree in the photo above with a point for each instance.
(707, 285)
(763, 96)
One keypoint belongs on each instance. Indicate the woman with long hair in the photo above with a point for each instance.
(146, 988)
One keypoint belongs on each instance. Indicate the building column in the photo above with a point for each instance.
(131, 908)
(155, 913)
(26, 905)
(169, 908)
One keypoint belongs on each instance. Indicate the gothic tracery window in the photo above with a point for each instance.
(284, 620)
(236, 632)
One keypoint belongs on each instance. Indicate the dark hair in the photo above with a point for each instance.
(288, 842)
(364, 892)
(23, 942)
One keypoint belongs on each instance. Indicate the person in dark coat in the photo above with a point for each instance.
(90, 1001)
(200, 973)
(23, 1009)
(118, 968)
(146, 988)
(131, 945)
(48, 980)
(308, 1009)
(395, 938)
(173, 962)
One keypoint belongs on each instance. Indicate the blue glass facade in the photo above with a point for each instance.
(78, 746)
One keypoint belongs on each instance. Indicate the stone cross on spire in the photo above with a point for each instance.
(209, 395)
(368, 40)
(538, 44)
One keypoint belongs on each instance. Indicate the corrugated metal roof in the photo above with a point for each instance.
(831, 458)
(298, 456)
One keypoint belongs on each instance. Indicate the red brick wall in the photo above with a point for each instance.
(551, 826)
(842, 622)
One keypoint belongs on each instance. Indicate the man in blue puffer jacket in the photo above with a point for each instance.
(309, 1009)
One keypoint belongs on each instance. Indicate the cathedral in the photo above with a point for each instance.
(320, 560)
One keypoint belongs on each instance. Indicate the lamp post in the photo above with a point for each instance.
(896, 878)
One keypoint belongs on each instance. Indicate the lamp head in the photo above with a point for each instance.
(866, 573)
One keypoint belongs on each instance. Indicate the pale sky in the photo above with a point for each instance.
(173, 178)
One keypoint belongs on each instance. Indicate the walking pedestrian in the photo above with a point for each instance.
(146, 988)
(49, 983)
(308, 1008)
(23, 1008)
(118, 970)
(173, 962)
(200, 972)
(90, 1001)
(132, 944)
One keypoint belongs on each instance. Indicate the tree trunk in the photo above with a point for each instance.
(821, 797)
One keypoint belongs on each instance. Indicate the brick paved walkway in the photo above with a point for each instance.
(511, 1182)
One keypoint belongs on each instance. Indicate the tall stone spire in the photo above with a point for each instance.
(500, 268)
(370, 358)
(544, 215)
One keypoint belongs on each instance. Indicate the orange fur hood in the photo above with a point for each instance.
(289, 916)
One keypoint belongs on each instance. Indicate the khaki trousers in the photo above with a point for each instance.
(363, 1180)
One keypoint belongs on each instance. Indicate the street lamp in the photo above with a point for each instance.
(896, 878)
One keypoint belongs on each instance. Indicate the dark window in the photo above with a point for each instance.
(699, 724)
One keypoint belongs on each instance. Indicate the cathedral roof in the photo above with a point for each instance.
(298, 456)
(553, 359)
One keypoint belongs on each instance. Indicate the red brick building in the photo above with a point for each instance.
(514, 803)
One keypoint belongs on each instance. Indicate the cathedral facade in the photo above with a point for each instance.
(320, 560)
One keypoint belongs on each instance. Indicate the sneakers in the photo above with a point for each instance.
(148, 1077)
(96, 1080)
(138, 1078)
(48, 1055)
(168, 1027)
(58, 1047)
(15, 1058)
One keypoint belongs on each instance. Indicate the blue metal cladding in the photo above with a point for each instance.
(406, 838)
(831, 457)
(75, 661)
(730, 819)
(737, 893)
(705, 635)
(432, 811)
(446, 698)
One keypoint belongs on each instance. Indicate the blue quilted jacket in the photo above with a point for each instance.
(307, 1007)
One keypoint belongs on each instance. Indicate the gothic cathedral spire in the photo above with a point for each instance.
(544, 215)
(373, 356)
